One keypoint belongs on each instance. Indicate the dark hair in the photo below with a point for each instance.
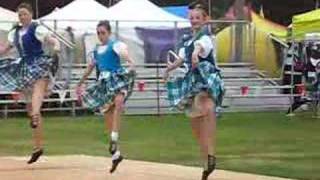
(106, 24)
(198, 6)
(25, 6)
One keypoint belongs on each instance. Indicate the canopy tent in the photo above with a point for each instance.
(7, 19)
(125, 12)
(266, 26)
(181, 11)
(305, 23)
(143, 13)
(124, 17)
(257, 48)
(79, 14)
(131, 15)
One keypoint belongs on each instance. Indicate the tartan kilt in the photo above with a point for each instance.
(107, 87)
(17, 74)
(205, 77)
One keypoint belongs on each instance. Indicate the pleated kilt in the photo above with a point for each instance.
(17, 74)
(205, 77)
(107, 87)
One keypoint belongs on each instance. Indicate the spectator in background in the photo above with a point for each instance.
(69, 56)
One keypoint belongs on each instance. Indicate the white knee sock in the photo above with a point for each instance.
(114, 136)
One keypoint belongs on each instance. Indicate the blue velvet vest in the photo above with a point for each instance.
(188, 44)
(31, 46)
(108, 60)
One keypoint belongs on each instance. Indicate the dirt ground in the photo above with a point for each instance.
(80, 167)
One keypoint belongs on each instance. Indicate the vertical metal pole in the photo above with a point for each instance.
(5, 111)
(315, 104)
(246, 44)
(70, 57)
(117, 29)
(175, 34)
(73, 110)
(254, 40)
(239, 12)
(292, 84)
(37, 10)
(284, 62)
(232, 43)
(251, 42)
(266, 53)
(158, 89)
(210, 8)
(55, 26)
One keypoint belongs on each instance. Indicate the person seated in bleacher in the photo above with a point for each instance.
(31, 71)
(114, 86)
(201, 89)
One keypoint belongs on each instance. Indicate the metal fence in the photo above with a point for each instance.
(248, 86)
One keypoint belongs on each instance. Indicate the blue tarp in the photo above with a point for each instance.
(181, 11)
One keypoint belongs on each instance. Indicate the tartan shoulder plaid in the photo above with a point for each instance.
(205, 78)
(107, 87)
(17, 74)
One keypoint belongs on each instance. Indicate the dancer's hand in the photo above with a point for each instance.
(79, 93)
(170, 66)
(79, 88)
(132, 68)
(4, 48)
(194, 60)
(195, 56)
(165, 75)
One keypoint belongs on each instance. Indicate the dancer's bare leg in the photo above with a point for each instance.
(116, 119)
(38, 93)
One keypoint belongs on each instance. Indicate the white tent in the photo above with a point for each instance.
(140, 13)
(7, 19)
(143, 13)
(83, 15)
(79, 14)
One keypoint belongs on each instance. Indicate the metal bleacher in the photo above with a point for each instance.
(264, 93)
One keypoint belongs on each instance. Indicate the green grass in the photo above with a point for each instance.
(262, 143)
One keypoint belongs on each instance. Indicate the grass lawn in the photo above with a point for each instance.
(262, 143)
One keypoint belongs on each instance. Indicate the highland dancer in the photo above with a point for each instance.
(30, 73)
(114, 86)
(201, 89)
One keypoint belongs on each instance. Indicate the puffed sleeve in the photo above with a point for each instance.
(182, 53)
(11, 37)
(119, 46)
(207, 45)
(41, 33)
